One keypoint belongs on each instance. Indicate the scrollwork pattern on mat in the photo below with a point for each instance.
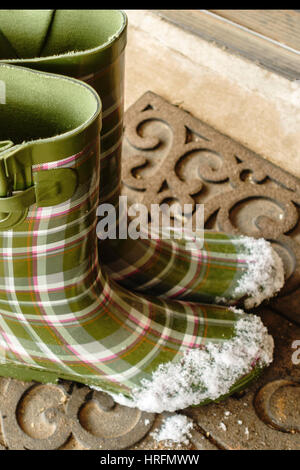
(169, 155)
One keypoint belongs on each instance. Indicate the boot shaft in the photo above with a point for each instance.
(49, 180)
(84, 44)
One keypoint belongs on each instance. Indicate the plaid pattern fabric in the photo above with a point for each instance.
(109, 83)
(162, 267)
(60, 314)
(159, 267)
(175, 269)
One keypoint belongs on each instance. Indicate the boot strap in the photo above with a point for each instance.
(19, 189)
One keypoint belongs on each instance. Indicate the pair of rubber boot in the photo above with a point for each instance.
(143, 323)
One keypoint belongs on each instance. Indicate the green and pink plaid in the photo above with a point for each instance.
(59, 312)
(174, 269)
(159, 267)
(164, 267)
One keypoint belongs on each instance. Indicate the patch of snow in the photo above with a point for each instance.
(264, 275)
(239, 421)
(176, 428)
(206, 373)
(238, 311)
(223, 426)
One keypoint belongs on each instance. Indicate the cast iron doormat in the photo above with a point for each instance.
(170, 155)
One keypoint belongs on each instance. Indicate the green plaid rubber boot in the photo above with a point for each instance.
(60, 317)
(89, 45)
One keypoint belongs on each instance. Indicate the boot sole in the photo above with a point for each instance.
(28, 374)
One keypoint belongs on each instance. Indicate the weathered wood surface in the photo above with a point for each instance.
(280, 25)
(272, 40)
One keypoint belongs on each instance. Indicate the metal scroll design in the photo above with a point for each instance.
(66, 416)
(170, 155)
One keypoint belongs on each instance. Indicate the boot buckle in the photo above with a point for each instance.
(19, 189)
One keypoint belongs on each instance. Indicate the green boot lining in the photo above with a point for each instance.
(50, 107)
(43, 33)
(19, 25)
(82, 30)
